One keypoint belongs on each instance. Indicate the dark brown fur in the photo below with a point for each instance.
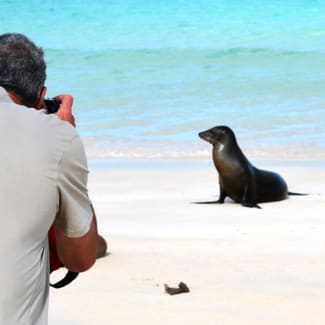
(238, 178)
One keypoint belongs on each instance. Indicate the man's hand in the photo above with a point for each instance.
(65, 110)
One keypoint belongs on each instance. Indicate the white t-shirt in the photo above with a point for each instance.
(43, 178)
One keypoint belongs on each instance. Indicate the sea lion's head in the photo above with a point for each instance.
(218, 136)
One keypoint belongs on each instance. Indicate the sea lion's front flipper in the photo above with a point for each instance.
(251, 205)
(249, 198)
(208, 202)
(222, 194)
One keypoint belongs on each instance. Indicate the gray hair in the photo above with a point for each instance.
(22, 67)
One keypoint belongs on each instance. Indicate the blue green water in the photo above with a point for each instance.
(147, 76)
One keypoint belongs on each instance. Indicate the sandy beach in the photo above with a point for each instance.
(242, 265)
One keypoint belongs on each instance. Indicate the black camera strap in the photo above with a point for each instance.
(68, 278)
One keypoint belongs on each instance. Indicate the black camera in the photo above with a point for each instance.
(52, 105)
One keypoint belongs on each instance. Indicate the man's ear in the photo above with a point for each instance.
(39, 103)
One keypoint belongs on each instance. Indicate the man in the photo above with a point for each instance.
(43, 180)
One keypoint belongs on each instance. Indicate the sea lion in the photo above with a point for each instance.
(238, 178)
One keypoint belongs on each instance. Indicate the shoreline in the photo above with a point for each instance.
(96, 164)
(242, 265)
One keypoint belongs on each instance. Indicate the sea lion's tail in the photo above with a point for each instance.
(293, 193)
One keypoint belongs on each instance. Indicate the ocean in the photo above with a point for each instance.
(147, 76)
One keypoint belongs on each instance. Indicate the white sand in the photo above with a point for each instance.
(242, 265)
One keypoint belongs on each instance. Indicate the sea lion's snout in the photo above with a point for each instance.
(210, 136)
(202, 135)
(206, 135)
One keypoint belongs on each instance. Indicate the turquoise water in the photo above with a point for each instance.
(147, 76)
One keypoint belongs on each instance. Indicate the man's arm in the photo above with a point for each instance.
(77, 254)
(65, 110)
